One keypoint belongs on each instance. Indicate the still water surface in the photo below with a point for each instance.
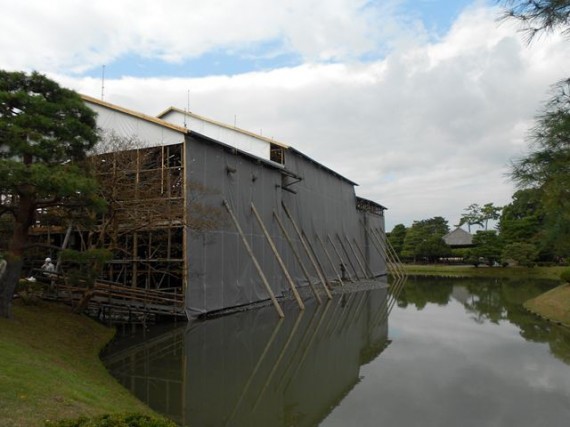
(452, 352)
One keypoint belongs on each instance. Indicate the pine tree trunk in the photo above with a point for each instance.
(8, 284)
(15, 256)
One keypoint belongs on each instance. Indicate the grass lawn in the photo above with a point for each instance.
(471, 271)
(554, 304)
(50, 368)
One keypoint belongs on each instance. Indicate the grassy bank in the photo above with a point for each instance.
(471, 271)
(554, 305)
(50, 368)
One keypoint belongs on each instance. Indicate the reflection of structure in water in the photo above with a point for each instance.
(252, 369)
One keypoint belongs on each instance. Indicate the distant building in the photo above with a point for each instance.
(458, 238)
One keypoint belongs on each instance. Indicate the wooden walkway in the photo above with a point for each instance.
(113, 299)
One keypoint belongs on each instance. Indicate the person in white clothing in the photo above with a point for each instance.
(48, 266)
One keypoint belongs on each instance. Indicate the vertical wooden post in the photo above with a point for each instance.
(279, 260)
(185, 201)
(255, 262)
(297, 257)
(316, 267)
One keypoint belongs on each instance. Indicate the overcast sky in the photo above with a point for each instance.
(421, 102)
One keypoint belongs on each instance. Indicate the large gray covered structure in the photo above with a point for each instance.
(286, 223)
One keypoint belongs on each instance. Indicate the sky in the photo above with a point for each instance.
(423, 103)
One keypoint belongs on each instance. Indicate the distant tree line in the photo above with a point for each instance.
(535, 226)
(527, 231)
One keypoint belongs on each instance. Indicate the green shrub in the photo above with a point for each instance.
(565, 275)
(129, 420)
(524, 254)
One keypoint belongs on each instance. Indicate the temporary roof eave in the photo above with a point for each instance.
(254, 135)
(223, 125)
(132, 113)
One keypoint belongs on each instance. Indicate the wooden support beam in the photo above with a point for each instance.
(278, 257)
(342, 263)
(297, 257)
(392, 263)
(365, 275)
(330, 260)
(348, 257)
(393, 252)
(316, 257)
(307, 250)
(255, 262)
(383, 253)
(363, 256)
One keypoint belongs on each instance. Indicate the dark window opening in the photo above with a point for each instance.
(277, 154)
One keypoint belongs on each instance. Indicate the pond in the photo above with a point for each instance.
(451, 352)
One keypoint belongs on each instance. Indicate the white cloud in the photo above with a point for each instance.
(426, 131)
(63, 35)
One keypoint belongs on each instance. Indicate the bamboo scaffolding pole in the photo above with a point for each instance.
(297, 257)
(399, 277)
(330, 260)
(342, 263)
(396, 265)
(278, 257)
(63, 246)
(383, 253)
(356, 256)
(399, 273)
(255, 262)
(393, 252)
(307, 250)
(348, 257)
(361, 253)
(316, 257)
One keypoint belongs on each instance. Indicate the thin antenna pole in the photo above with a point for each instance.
(103, 82)
(187, 108)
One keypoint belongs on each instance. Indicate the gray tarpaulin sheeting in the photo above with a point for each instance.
(221, 273)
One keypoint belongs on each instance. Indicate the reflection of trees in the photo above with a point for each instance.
(502, 300)
(492, 300)
(420, 291)
(485, 302)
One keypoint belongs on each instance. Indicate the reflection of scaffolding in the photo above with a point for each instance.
(395, 266)
(253, 369)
